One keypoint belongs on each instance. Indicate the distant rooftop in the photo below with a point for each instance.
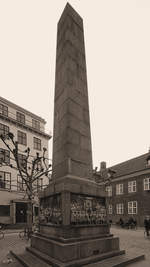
(131, 166)
(13, 105)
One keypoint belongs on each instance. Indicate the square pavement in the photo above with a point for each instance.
(11, 241)
(133, 241)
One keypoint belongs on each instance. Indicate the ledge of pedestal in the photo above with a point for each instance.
(74, 184)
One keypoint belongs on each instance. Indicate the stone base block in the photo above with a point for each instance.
(70, 232)
(74, 251)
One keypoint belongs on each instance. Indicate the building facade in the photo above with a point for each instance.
(128, 194)
(29, 131)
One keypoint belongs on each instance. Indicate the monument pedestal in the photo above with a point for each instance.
(76, 252)
(75, 227)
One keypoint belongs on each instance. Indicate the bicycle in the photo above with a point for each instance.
(25, 234)
(1, 234)
(1, 231)
(145, 235)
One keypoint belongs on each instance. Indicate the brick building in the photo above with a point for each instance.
(29, 131)
(128, 194)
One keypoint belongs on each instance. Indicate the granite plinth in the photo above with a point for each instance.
(69, 233)
(72, 251)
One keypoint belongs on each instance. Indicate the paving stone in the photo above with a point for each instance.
(11, 242)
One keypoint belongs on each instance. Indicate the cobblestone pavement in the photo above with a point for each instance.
(133, 241)
(11, 241)
(130, 240)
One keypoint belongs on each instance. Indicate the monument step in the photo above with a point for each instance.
(33, 257)
(118, 261)
(28, 259)
(111, 259)
(75, 263)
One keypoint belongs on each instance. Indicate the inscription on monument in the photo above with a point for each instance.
(83, 210)
(87, 210)
(50, 211)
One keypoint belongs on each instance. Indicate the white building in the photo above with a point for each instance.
(29, 131)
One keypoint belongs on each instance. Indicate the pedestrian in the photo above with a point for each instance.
(147, 225)
(121, 222)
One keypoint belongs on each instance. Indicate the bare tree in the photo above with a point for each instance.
(104, 177)
(29, 170)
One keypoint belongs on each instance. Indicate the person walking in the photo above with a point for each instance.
(147, 225)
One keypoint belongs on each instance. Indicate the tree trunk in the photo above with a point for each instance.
(30, 208)
(29, 216)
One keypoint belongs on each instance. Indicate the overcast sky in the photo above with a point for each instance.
(117, 40)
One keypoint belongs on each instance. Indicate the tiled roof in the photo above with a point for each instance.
(131, 166)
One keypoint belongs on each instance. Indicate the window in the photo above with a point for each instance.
(4, 156)
(148, 162)
(22, 160)
(22, 138)
(109, 191)
(120, 208)
(3, 110)
(4, 129)
(110, 209)
(131, 186)
(132, 207)
(147, 184)
(5, 180)
(21, 186)
(4, 210)
(20, 117)
(119, 189)
(36, 124)
(37, 143)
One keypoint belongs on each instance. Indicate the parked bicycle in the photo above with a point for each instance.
(130, 224)
(25, 234)
(2, 231)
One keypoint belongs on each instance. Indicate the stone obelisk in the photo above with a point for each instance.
(72, 153)
(74, 229)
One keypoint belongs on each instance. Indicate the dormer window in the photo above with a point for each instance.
(3, 110)
(148, 160)
(20, 117)
(35, 124)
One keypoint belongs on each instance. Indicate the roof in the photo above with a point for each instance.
(13, 105)
(131, 166)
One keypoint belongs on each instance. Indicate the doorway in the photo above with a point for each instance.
(21, 212)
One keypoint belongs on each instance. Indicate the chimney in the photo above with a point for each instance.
(102, 165)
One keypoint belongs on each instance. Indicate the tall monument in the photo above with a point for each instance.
(74, 230)
(73, 226)
(72, 153)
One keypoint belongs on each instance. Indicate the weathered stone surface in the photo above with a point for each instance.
(73, 184)
(75, 233)
(77, 250)
(72, 137)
